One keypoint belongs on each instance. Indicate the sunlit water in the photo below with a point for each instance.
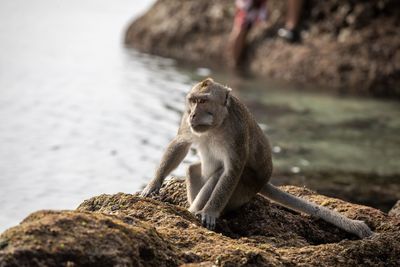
(81, 115)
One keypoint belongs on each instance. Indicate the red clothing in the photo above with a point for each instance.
(249, 12)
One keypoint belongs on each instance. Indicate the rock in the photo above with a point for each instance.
(127, 230)
(348, 45)
(73, 238)
(395, 211)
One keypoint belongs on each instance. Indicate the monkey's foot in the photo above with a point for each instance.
(207, 220)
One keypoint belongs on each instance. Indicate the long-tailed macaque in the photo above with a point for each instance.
(235, 160)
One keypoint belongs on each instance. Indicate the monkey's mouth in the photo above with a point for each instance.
(200, 128)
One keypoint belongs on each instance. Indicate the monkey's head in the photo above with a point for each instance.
(207, 105)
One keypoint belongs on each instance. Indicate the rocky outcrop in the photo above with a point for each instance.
(395, 211)
(127, 230)
(348, 45)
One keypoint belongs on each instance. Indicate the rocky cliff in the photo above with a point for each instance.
(352, 46)
(127, 230)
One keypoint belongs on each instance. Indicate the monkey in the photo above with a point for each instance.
(235, 161)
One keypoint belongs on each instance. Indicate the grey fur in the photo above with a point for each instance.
(236, 161)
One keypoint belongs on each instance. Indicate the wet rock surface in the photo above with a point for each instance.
(352, 46)
(127, 230)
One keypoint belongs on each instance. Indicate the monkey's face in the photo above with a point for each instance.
(206, 110)
(201, 113)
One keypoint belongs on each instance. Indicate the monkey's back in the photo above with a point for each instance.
(259, 148)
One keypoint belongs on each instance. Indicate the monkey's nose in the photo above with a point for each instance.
(192, 116)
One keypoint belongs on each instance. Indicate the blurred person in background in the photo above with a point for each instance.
(251, 12)
(291, 31)
(248, 13)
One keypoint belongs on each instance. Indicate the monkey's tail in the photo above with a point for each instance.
(292, 202)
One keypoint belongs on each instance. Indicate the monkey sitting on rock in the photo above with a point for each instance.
(235, 160)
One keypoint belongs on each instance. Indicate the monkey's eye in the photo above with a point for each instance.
(201, 101)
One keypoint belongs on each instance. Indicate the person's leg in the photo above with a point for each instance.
(237, 41)
(290, 32)
(293, 14)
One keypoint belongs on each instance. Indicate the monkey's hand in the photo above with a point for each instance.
(151, 188)
(208, 220)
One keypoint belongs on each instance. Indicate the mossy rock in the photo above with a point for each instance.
(128, 230)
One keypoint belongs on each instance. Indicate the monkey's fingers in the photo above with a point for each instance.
(150, 190)
(208, 221)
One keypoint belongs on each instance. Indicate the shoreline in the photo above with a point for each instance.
(361, 57)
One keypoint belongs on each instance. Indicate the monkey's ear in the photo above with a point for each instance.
(227, 96)
(207, 82)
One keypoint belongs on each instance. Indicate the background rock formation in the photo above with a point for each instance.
(353, 45)
(127, 230)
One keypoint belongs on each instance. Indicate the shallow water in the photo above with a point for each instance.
(82, 115)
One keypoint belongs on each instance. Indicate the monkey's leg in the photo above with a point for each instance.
(246, 189)
(194, 181)
(356, 227)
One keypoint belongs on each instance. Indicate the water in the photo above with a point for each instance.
(81, 115)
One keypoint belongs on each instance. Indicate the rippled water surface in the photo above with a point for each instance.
(82, 115)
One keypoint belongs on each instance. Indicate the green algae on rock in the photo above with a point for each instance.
(127, 230)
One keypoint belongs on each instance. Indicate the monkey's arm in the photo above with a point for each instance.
(222, 192)
(173, 156)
